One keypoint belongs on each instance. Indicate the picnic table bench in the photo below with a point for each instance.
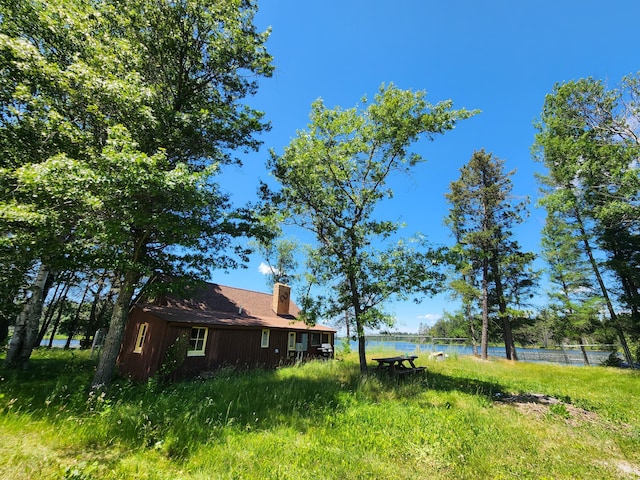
(396, 365)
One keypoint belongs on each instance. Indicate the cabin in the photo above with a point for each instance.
(218, 326)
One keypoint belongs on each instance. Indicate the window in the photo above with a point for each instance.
(326, 338)
(292, 341)
(197, 342)
(315, 339)
(142, 333)
(264, 342)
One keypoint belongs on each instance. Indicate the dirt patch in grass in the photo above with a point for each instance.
(542, 405)
(628, 468)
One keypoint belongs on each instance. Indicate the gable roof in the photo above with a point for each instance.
(228, 307)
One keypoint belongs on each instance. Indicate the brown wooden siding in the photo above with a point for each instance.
(141, 366)
(238, 348)
(233, 347)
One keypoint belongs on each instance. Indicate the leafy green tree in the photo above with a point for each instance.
(462, 284)
(332, 176)
(481, 217)
(44, 66)
(158, 217)
(573, 297)
(588, 142)
(137, 103)
(542, 330)
(451, 325)
(520, 284)
(280, 257)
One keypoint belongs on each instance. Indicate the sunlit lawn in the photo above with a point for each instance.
(322, 420)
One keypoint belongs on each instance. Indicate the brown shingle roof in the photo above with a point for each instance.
(230, 307)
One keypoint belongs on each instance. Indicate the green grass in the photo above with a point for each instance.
(321, 420)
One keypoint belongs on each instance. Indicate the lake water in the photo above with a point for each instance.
(562, 356)
(60, 343)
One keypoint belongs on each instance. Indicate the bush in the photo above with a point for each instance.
(613, 360)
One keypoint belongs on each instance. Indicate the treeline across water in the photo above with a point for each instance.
(602, 354)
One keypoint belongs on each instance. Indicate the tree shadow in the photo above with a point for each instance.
(183, 416)
(429, 380)
(472, 386)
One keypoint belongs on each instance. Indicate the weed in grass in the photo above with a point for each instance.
(560, 409)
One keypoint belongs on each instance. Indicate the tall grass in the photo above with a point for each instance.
(320, 420)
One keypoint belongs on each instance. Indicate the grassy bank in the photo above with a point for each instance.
(464, 419)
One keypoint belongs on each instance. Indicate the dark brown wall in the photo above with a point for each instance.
(234, 347)
(239, 348)
(141, 366)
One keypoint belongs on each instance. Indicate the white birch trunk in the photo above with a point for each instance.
(25, 333)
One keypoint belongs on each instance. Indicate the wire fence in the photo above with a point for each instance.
(597, 354)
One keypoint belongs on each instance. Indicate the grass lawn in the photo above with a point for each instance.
(463, 419)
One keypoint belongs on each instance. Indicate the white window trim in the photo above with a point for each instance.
(200, 352)
(266, 333)
(140, 338)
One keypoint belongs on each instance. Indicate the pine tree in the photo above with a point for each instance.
(481, 217)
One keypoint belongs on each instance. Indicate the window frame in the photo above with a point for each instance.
(328, 336)
(291, 342)
(143, 329)
(317, 341)
(194, 351)
(264, 338)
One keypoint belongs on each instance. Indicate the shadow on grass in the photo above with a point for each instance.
(177, 419)
(49, 373)
(472, 386)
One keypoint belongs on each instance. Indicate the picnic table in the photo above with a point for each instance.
(396, 365)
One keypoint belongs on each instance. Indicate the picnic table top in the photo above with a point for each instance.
(398, 358)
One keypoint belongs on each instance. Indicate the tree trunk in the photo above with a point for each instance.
(60, 312)
(472, 330)
(485, 311)
(361, 346)
(585, 357)
(113, 340)
(603, 289)
(55, 327)
(26, 329)
(98, 310)
(507, 334)
(53, 306)
(347, 324)
(355, 303)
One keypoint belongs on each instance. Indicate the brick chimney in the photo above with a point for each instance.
(281, 296)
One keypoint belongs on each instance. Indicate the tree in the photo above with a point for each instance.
(481, 217)
(158, 218)
(463, 285)
(280, 257)
(332, 176)
(143, 101)
(588, 141)
(572, 295)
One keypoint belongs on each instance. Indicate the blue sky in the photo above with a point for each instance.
(501, 57)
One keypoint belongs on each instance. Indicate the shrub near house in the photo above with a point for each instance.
(218, 326)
